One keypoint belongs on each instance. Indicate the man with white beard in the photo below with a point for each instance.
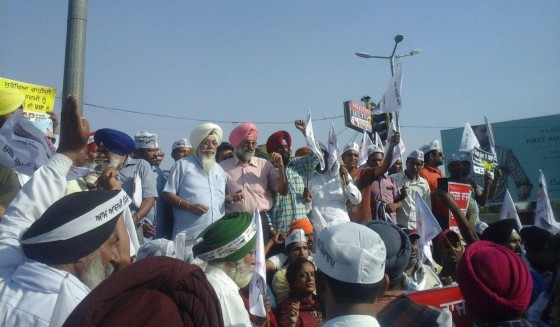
(54, 249)
(135, 175)
(196, 188)
(227, 246)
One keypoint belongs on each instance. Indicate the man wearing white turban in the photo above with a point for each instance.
(196, 187)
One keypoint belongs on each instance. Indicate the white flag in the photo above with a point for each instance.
(399, 149)
(491, 139)
(310, 140)
(334, 153)
(544, 216)
(364, 146)
(24, 147)
(469, 140)
(391, 100)
(428, 227)
(257, 286)
(508, 210)
(377, 140)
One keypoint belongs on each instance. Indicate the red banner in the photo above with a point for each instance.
(449, 297)
(461, 193)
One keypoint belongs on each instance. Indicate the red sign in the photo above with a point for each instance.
(461, 193)
(449, 297)
(357, 117)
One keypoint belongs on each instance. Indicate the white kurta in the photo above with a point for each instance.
(233, 309)
(352, 320)
(29, 290)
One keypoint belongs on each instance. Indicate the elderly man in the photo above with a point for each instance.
(135, 175)
(250, 179)
(363, 177)
(291, 207)
(413, 184)
(196, 187)
(69, 246)
(147, 148)
(180, 149)
(227, 246)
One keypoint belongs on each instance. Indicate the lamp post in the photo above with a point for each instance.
(398, 38)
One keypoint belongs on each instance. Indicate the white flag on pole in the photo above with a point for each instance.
(334, 153)
(364, 146)
(391, 100)
(24, 147)
(377, 140)
(428, 227)
(508, 210)
(469, 140)
(491, 138)
(399, 149)
(310, 140)
(257, 286)
(544, 216)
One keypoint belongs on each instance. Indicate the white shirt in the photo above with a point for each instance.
(406, 215)
(351, 321)
(26, 300)
(330, 196)
(233, 309)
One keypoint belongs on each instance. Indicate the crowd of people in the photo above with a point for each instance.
(127, 244)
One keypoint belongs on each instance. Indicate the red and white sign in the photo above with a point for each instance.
(449, 297)
(461, 193)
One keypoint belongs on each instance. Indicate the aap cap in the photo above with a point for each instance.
(374, 149)
(181, 143)
(297, 235)
(416, 155)
(351, 146)
(351, 253)
(145, 140)
(452, 158)
(432, 146)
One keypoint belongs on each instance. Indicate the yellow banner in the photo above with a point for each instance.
(39, 100)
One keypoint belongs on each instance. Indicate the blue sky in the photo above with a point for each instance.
(271, 61)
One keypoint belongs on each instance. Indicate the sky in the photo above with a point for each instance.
(181, 63)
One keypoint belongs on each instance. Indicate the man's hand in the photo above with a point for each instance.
(74, 132)
(301, 125)
(235, 196)
(395, 139)
(198, 209)
(294, 313)
(391, 207)
(307, 195)
(149, 230)
(277, 160)
(108, 179)
(279, 238)
(344, 174)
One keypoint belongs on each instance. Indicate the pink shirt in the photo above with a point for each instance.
(256, 180)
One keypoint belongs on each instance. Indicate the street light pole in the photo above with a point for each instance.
(398, 38)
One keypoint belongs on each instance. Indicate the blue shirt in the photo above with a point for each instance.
(127, 171)
(188, 180)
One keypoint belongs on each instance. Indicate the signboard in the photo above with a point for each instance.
(448, 297)
(357, 116)
(461, 193)
(39, 100)
(482, 161)
(522, 148)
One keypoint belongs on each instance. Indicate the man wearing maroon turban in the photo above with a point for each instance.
(495, 283)
(291, 207)
(252, 180)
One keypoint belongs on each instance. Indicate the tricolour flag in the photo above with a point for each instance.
(544, 216)
(428, 228)
(310, 140)
(391, 100)
(364, 146)
(469, 140)
(257, 286)
(508, 210)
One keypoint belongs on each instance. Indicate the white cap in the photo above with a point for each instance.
(181, 143)
(416, 155)
(432, 146)
(145, 140)
(464, 157)
(374, 149)
(351, 146)
(297, 235)
(351, 253)
(453, 157)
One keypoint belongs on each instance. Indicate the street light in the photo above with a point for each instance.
(398, 38)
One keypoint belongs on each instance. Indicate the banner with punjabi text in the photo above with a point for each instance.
(39, 100)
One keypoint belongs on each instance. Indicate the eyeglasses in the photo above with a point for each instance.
(209, 143)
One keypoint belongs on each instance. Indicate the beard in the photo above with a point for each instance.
(114, 162)
(95, 271)
(207, 160)
(242, 274)
(244, 154)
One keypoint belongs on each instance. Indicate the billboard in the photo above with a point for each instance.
(522, 147)
(357, 116)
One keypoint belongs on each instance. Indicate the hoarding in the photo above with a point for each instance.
(357, 116)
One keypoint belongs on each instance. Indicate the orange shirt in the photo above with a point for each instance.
(439, 209)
